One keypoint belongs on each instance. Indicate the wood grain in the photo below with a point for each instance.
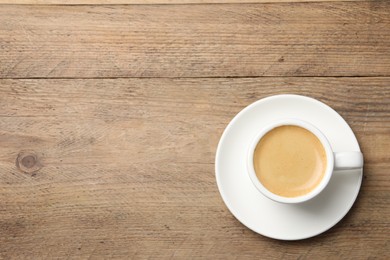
(126, 168)
(286, 39)
(113, 2)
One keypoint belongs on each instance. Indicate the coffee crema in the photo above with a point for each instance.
(289, 161)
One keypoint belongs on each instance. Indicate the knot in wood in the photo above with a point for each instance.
(28, 162)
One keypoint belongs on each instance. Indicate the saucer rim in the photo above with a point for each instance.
(218, 154)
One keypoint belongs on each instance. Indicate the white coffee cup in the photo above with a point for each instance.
(335, 161)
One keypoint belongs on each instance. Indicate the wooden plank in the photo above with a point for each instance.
(113, 2)
(126, 168)
(316, 39)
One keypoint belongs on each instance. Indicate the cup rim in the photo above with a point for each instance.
(328, 151)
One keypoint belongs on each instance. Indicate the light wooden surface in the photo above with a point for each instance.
(111, 2)
(128, 167)
(110, 117)
(315, 39)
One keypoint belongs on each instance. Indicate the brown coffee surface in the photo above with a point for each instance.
(290, 161)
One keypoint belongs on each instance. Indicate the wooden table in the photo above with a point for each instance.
(110, 116)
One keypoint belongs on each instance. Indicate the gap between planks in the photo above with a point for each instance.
(188, 77)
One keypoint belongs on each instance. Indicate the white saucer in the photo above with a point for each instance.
(257, 212)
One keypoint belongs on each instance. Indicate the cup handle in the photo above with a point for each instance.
(348, 160)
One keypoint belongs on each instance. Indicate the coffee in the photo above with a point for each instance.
(289, 161)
